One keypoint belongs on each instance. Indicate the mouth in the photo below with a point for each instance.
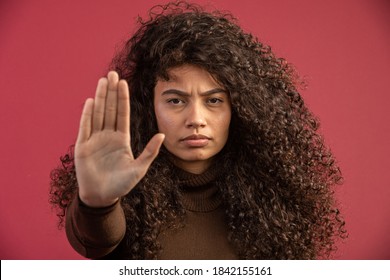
(196, 137)
(196, 140)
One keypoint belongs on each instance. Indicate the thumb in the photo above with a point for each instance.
(150, 152)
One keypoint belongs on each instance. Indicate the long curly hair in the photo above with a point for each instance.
(278, 191)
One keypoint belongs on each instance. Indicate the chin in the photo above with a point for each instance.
(194, 156)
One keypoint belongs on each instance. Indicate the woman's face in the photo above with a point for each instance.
(194, 112)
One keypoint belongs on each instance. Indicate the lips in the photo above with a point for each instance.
(195, 137)
(196, 140)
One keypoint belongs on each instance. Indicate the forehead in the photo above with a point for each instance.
(189, 74)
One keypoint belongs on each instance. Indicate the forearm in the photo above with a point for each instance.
(94, 232)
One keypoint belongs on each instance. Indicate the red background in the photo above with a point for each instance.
(53, 52)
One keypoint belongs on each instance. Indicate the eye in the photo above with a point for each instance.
(214, 100)
(175, 101)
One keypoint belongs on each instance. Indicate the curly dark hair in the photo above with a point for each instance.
(278, 193)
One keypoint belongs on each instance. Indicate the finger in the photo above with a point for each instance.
(99, 104)
(86, 121)
(123, 116)
(110, 110)
(150, 152)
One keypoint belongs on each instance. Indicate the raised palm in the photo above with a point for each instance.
(105, 166)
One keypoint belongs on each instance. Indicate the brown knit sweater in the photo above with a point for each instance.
(96, 232)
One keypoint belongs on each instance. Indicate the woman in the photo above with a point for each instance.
(218, 159)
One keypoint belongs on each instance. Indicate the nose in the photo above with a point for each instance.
(195, 117)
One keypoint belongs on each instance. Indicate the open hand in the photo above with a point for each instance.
(105, 165)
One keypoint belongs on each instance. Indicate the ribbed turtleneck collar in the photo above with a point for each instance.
(200, 193)
(195, 180)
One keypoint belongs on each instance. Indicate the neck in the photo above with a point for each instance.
(195, 167)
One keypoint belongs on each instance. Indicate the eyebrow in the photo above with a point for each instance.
(183, 93)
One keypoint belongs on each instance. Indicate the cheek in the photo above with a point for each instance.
(165, 121)
(167, 125)
(223, 122)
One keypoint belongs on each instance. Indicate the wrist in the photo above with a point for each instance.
(96, 202)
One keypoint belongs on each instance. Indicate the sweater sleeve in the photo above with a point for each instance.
(94, 232)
